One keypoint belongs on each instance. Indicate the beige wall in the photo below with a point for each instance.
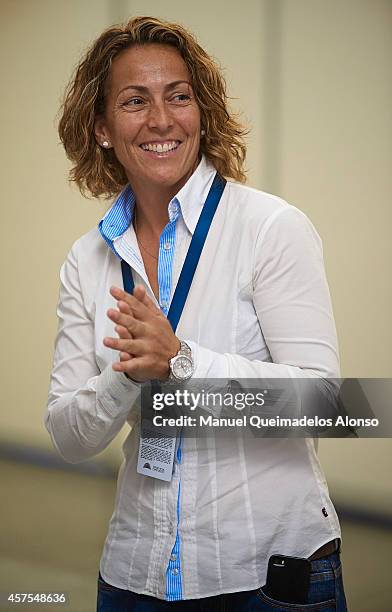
(335, 163)
(312, 79)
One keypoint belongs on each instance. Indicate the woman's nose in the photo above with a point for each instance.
(159, 117)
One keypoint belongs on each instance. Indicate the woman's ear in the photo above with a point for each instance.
(102, 133)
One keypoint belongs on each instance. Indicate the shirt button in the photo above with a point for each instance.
(173, 557)
(167, 246)
(175, 571)
(164, 304)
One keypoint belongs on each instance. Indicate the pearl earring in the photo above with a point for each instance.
(202, 133)
(105, 144)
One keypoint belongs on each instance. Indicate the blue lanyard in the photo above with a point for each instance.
(193, 255)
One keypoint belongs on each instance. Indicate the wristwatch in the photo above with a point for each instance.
(181, 365)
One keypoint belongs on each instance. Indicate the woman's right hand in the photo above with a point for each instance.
(142, 326)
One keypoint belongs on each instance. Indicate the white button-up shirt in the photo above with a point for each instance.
(259, 307)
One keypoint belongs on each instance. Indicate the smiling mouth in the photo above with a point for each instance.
(161, 147)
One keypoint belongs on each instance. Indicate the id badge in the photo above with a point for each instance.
(157, 448)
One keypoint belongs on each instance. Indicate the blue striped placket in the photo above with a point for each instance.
(115, 223)
(165, 266)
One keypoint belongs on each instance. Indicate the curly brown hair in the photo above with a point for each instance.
(97, 171)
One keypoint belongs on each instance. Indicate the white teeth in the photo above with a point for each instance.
(161, 148)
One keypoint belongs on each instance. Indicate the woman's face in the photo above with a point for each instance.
(151, 117)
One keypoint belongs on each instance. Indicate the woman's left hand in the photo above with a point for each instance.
(146, 340)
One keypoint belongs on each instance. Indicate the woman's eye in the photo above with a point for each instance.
(133, 102)
(181, 98)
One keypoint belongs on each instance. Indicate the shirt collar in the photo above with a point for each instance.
(193, 194)
(190, 199)
(118, 218)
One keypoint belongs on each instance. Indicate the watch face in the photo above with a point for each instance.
(182, 367)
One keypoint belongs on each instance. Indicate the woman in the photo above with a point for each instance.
(145, 120)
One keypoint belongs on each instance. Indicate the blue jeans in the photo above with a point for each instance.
(326, 594)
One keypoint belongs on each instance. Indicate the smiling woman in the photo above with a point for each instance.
(190, 274)
(152, 121)
(104, 73)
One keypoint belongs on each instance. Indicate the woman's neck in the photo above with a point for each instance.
(152, 202)
(152, 210)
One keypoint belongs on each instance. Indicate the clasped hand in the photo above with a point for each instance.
(145, 340)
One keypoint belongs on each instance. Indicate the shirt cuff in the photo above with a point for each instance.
(207, 363)
(210, 374)
(115, 392)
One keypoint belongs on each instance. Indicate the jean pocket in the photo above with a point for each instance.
(274, 605)
(322, 594)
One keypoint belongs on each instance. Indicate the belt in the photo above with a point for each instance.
(326, 549)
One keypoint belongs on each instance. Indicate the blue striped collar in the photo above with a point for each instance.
(118, 218)
(189, 200)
